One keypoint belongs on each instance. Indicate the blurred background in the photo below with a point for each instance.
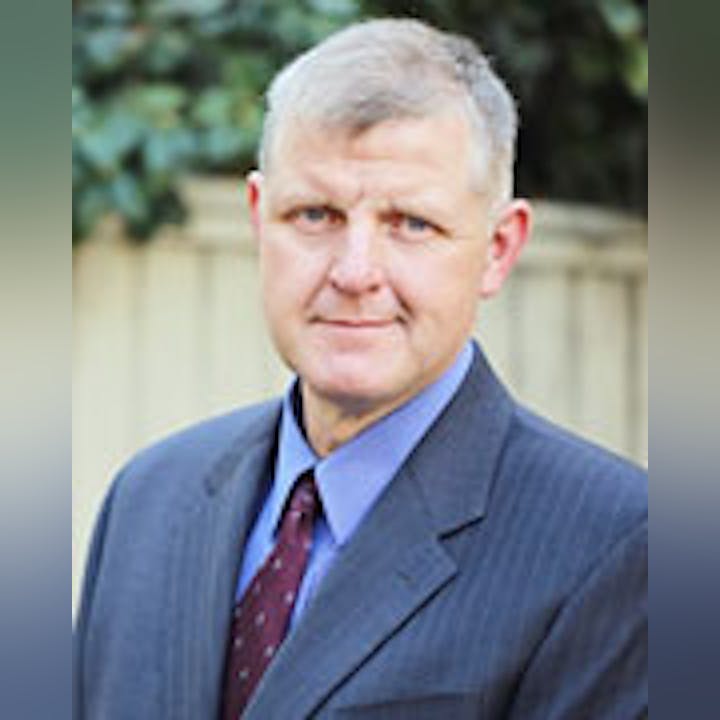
(167, 104)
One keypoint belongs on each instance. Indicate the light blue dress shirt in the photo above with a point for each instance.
(349, 480)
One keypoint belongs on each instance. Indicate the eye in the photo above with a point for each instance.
(416, 224)
(314, 214)
(315, 218)
(411, 227)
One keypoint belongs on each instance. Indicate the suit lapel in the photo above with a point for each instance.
(456, 463)
(396, 560)
(372, 588)
(206, 552)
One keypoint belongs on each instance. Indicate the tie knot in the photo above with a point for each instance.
(304, 498)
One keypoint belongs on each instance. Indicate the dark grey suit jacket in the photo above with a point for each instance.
(502, 574)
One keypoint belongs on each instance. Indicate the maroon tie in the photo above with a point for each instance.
(261, 617)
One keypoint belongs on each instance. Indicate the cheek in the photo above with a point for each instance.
(441, 286)
(277, 253)
(290, 275)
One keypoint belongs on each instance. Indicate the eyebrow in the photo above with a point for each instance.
(286, 199)
(423, 205)
(308, 191)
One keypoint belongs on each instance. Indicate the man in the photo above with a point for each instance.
(396, 538)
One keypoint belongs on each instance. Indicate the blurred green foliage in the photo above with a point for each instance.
(158, 92)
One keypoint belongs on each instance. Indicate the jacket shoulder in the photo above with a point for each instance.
(577, 482)
(190, 454)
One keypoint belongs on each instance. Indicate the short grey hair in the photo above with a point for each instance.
(389, 69)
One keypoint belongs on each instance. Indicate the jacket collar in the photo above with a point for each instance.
(454, 466)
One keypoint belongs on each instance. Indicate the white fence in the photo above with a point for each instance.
(170, 332)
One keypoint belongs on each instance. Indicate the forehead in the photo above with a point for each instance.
(411, 156)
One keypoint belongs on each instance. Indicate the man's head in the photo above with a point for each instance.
(382, 212)
(393, 69)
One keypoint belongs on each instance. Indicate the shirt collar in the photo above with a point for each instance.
(352, 477)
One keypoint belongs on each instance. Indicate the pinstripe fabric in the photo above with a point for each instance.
(501, 575)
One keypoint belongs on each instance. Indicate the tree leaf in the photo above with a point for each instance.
(159, 104)
(213, 107)
(166, 51)
(88, 205)
(166, 152)
(107, 49)
(221, 144)
(129, 198)
(636, 69)
(622, 17)
(111, 139)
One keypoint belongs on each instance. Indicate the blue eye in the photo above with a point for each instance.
(315, 214)
(412, 228)
(314, 219)
(416, 224)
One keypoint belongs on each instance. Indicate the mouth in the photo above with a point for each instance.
(356, 323)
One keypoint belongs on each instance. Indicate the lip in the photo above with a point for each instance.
(355, 323)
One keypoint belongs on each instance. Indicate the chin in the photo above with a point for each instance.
(356, 389)
(356, 382)
(356, 393)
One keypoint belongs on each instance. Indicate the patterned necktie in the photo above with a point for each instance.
(262, 615)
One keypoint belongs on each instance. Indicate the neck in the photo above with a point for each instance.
(329, 424)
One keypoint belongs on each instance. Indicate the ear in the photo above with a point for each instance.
(509, 235)
(253, 195)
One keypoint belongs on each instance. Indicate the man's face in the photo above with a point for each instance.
(373, 251)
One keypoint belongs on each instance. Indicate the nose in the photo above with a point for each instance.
(357, 266)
